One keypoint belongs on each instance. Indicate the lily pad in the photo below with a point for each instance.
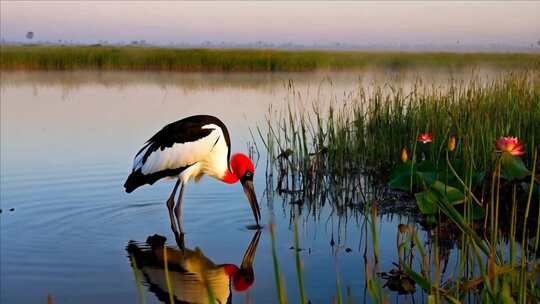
(453, 195)
(423, 175)
(400, 179)
(513, 167)
(426, 201)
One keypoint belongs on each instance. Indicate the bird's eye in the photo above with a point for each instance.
(248, 176)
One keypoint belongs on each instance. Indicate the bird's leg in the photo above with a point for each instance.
(178, 209)
(179, 237)
(170, 205)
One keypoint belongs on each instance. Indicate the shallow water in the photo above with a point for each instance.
(67, 142)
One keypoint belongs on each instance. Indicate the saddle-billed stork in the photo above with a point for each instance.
(187, 149)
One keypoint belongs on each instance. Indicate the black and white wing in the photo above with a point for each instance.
(176, 147)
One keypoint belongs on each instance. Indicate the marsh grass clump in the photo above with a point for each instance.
(336, 150)
(467, 154)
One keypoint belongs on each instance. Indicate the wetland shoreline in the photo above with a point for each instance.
(141, 58)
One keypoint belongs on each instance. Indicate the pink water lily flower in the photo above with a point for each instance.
(425, 138)
(510, 145)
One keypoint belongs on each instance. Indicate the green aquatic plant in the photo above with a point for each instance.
(430, 183)
(280, 287)
(299, 264)
(497, 278)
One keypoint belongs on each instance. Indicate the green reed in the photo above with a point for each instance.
(299, 264)
(38, 57)
(137, 276)
(167, 276)
(282, 297)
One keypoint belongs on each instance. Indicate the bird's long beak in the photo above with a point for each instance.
(252, 198)
(249, 256)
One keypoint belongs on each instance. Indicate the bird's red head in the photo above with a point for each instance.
(241, 164)
(242, 279)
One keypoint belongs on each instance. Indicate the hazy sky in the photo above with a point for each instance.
(515, 23)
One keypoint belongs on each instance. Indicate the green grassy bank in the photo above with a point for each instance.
(242, 60)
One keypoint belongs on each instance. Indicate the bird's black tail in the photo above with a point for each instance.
(134, 181)
(137, 179)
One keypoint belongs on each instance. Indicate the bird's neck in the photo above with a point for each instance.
(230, 269)
(229, 177)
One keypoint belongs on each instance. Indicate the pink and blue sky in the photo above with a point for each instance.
(363, 23)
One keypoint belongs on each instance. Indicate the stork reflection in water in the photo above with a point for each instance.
(191, 273)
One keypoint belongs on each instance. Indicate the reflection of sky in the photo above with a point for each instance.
(66, 148)
(300, 22)
(46, 125)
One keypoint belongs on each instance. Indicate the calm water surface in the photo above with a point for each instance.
(67, 142)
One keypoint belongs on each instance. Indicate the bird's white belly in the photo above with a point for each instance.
(193, 172)
(198, 170)
(215, 164)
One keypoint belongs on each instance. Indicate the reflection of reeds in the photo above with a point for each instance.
(373, 283)
(229, 60)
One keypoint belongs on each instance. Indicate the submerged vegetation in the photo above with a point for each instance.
(242, 60)
(466, 154)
